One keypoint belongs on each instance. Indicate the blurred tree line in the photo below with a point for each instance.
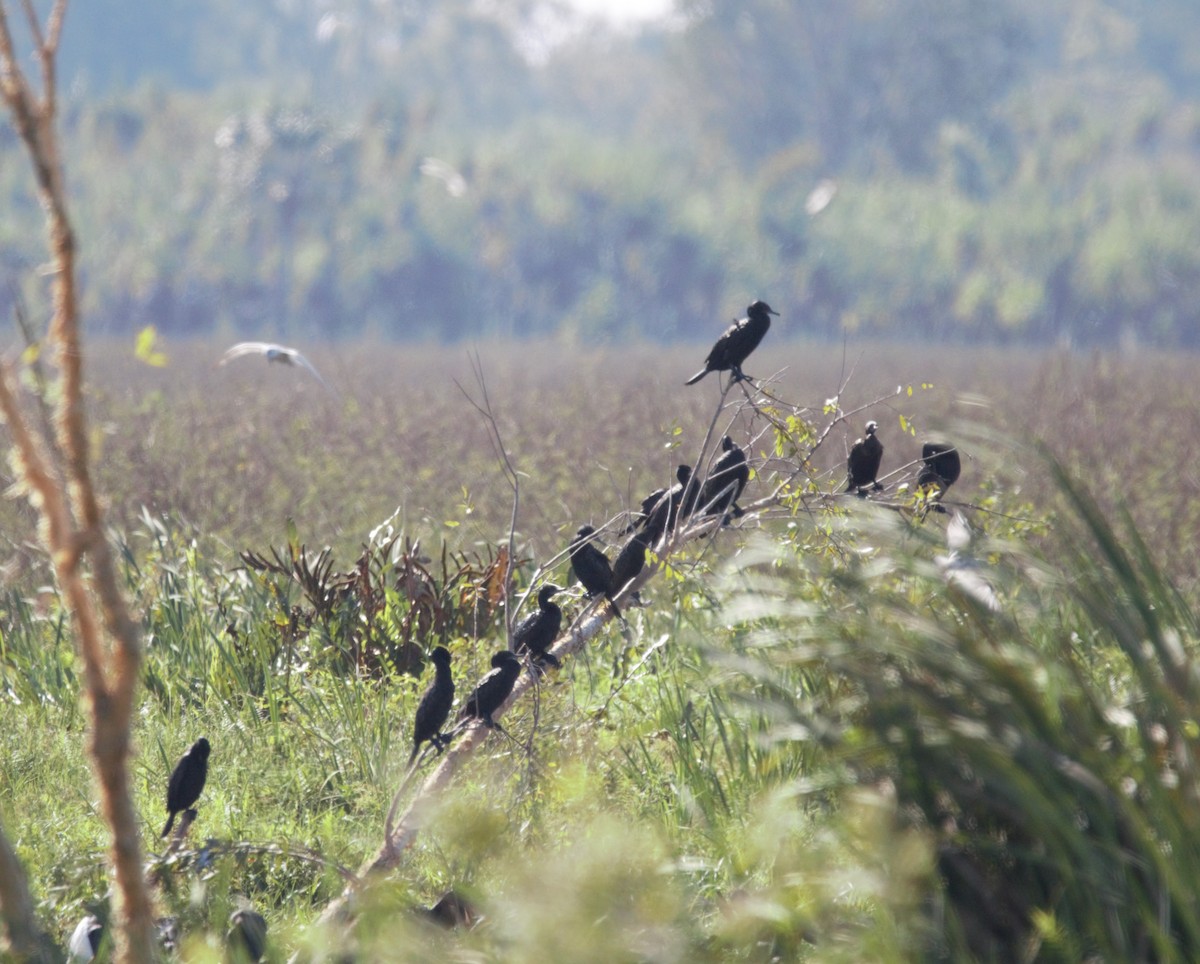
(965, 169)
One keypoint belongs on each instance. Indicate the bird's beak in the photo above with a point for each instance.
(771, 311)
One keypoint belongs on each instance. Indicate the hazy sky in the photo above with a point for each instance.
(624, 10)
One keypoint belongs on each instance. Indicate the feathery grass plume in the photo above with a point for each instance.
(1048, 750)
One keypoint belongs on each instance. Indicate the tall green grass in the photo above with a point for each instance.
(1046, 752)
(808, 746)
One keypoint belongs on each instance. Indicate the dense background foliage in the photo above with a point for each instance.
(434, 171)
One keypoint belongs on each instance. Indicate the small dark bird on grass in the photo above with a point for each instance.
(247, 935)
(862, 464)
(725, 482)
(536, 633)
(453, 910)
(942, 465)
(592, 568)
(736, 343)
(435, 704)
(167, 929)
(187, 781)
(493, 689)
(665, 509)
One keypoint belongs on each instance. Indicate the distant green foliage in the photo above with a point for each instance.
(1000, 172)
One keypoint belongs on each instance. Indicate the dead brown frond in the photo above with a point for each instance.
(384, 613)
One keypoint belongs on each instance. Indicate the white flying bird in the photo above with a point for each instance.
(274, 353)
(456, 184)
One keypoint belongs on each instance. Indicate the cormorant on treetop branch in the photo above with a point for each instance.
(736, 343)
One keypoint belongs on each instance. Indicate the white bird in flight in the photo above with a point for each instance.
(273, 353)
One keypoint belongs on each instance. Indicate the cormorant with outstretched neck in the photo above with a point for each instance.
(862, 464)
(736, 343)
(942, 465)
(592, 568)
(187, 781)
(536, 633)
(492, 690)
(725, 482)
(434, 708)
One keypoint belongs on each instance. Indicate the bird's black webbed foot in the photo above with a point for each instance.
(861, 493)
(878, 487)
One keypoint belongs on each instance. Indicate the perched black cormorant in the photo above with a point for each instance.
(667, 507)
(536, 633)
(493, 689)
(736, 343)
(630, 560)
(187, 781)
(862, 464)
(725, 482)
(434, 708)
(942, 465)
(592, 568)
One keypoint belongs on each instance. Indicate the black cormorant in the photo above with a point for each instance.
(630, 561)
(536, 633)
(592, 568)
(187, 781)
(725, 482)
(862, 464)
(493, 689)
(736, 343)
(942, 465)
(434, 708)
(666, 509)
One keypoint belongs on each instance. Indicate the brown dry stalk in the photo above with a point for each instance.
(72, 526)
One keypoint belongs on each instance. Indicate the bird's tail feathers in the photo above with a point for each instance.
(695, 378)
(170, 824)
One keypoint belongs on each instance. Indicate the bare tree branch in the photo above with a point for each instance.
(72, 520)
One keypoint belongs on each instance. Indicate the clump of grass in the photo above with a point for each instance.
(1046, 751)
